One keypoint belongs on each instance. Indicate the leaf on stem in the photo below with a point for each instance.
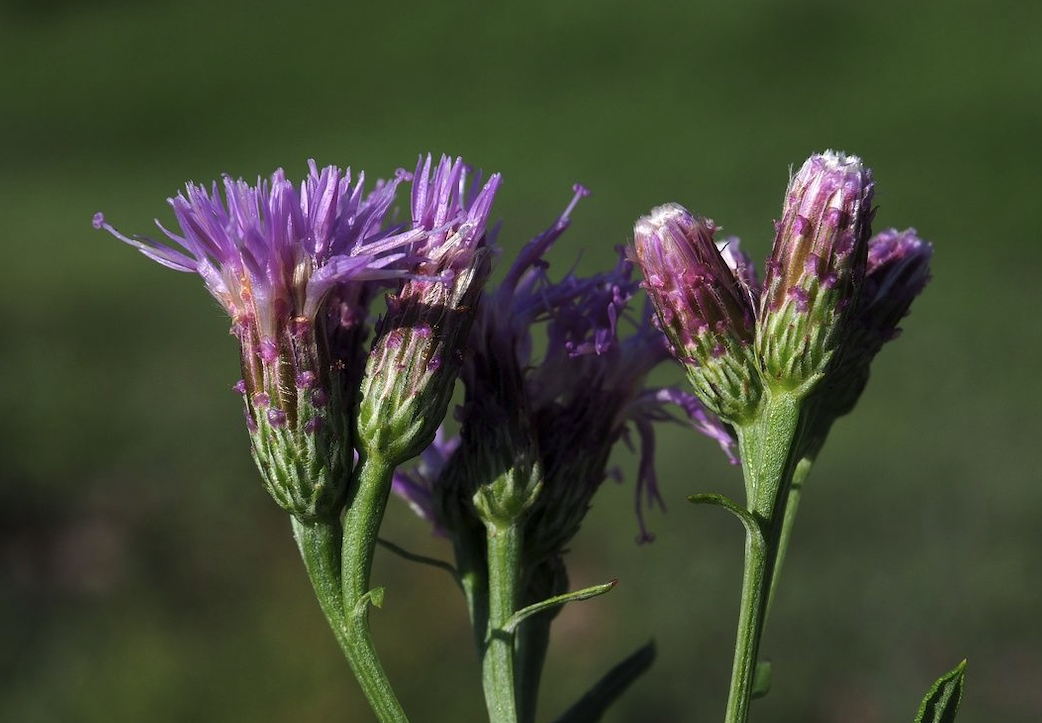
(585, 594)
(375, 597)
(746, 517)
(761, 680)
(608, 689)
(942, 702)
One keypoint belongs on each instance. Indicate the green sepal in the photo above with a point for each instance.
(942, 702)
(608, 689)
(585, 594)
(761, 680)
(303, 470)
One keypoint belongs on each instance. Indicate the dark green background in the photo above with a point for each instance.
(144, 575)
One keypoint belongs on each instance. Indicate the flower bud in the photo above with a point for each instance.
(413, 366)
(815, 270)
(897, 271)
(418, 351)
(704, 305)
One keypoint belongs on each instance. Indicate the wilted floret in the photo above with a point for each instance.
(295, 269)
(815, 269)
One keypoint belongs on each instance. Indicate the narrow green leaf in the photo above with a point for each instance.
(585, 594)
(608, 689)
(942, 702)
(746, 517)
(761, 680)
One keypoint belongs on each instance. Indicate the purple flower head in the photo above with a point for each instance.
(897, 271)
(538, 428)
(705, 305)
(418, 350)
(295, 269)
(815, 269)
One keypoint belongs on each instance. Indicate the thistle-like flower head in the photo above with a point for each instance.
(705, 305)
(538, 428)
(419, 346)
(295, 270)
(815, 269)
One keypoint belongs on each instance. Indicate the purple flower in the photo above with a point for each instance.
(538, 428)
(419, 346)
(705, 305)
(815, 269)
(295, 270)
(897, 271)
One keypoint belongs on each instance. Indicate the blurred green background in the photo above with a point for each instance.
(144, 574)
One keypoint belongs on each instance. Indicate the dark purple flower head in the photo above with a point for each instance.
(295, 268)
(418, 351)
(898, 270)
(538, 427)
(815, 269)
(705, 304)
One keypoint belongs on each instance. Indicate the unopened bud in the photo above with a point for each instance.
(415, 360)
(815, 270)
(704, 305)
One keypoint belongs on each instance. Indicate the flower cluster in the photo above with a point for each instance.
(297, 269)
(833, 294)
(537, 429)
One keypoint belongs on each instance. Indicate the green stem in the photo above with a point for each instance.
(533, 643)
(365, 510)
(799, 476)
(319, 544)
(497, 663)
(747, 641)
(770, 444)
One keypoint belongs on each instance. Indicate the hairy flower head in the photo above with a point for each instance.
(295, 268)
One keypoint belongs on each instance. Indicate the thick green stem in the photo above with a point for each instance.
(497, 663)
(365, 511)
(319, 544)
(770, 445)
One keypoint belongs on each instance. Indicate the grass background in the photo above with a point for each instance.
(144, 575)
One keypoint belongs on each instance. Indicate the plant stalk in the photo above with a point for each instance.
(770, 445)
(365, 510)
(497, 662)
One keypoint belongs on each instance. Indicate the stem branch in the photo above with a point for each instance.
(365, 511)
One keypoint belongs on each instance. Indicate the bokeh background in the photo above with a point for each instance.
(144, 574)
